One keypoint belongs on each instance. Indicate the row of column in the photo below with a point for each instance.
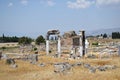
(58, 46)
(81, 47)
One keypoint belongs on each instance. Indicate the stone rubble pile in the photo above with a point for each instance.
(64, 67)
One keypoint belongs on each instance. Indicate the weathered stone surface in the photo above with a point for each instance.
(73, 56)
(62, 67)
(14, 66)
(42, 64)
(69, 34)
(109, 66)
(92, 70)
(77, 64)
(87, 66)
(10, 61)
(4, 56)
(91, 56)
(101, 68)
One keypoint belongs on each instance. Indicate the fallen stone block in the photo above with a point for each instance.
(41, 64)
(10, 61)
(62, 67)
(77, 64)
(92, 70)
(87, 66)
(14, 66)
(101, 68)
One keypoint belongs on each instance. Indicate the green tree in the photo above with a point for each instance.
(115, 35)
(105, 35)
(40, 39)
(25, 40)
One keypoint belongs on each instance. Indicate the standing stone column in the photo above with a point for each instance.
(82, 43)
(81, 47)
(86, 46)
(47, 45)
(59, 47)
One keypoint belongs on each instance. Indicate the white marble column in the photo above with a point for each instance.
(86, 46)
(81, 51)
(47, 47)
(81, 47)
(59, 47)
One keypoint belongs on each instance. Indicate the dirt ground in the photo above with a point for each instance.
(27, 71)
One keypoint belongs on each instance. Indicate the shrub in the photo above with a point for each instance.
(3, 48)
(25, 40)
(95, 43)
(50, 51)
(35, 49)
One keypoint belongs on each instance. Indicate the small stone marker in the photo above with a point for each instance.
(119, 51)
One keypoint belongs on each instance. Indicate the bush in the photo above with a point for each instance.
(3, 48)
(50, 51)
(25, 40)
(35, 49)
(95, 43)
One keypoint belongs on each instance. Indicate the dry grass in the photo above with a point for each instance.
(27, 71)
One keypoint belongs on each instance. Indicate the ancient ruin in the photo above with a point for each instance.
(78, 43)
(53, 32)
(68, 54)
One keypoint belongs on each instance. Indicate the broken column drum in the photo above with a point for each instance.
(53, 32)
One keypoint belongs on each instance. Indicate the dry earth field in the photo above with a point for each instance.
(27, 71)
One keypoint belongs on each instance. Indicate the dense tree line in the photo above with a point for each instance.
(5, 39)
(22, 40)
(25, 40)
(103, 35)
(115, 35)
